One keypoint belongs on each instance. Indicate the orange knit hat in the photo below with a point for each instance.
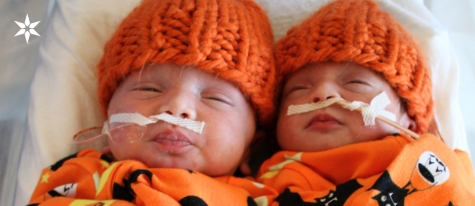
(231, 39)
(358, 31)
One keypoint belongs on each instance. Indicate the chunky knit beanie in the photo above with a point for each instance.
(231, 39)
(358, 31)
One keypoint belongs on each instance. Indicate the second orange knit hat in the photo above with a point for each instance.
(227, 38)
(358, 31)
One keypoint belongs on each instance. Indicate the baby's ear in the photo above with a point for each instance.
(407, 122)
(106, 150)
(257, 140)
(244, 167)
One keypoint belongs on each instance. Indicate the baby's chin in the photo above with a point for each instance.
(191, 160)
(190, 166)
(163, 161)
(313, 144)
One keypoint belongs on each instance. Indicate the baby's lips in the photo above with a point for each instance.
(323, 117)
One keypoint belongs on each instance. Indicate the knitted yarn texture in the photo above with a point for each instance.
(358, 31)
(227, 38)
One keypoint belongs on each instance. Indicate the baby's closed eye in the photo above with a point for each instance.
(216, 98)
(359, 85)
(148, 89)
(358, 81)
(294, 89)
(148, 86)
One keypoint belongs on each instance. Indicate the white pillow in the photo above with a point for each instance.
(63, 93)
(63, 96)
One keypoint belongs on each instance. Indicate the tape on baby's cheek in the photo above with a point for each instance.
(368, 111)
(374, 109)
(195, 126)
(130, 118)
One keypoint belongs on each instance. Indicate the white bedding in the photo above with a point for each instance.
(53, 77)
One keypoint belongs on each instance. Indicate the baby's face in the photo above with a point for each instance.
(190, 93)
(333, 126)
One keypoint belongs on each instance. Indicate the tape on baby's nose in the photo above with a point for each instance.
(195, 126)
(368, 111)
(302, 108)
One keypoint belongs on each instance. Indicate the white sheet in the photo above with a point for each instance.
(63, 98)
(459, 21)
(17, 67)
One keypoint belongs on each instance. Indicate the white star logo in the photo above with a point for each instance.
(27, 28)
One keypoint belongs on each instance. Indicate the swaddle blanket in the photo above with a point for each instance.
(394, 171)
(92, 178)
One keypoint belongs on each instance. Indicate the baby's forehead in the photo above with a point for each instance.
(338, 69)
(170, 73)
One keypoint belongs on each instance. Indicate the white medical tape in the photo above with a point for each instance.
(192, 125)
(302, 108)
(374, 109)
(130, 118)
(195, 126)
(369, 112)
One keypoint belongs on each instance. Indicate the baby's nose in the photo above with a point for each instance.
(184, 115)
(318, 99)
(324, 91)
(179, 104)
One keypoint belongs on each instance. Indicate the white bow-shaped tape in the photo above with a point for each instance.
(374, 109)
(368, 111)
(195, 126)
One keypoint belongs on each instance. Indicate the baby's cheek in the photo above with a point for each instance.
(285, 128)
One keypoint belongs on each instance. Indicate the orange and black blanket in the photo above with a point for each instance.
(92, 178)
(396, 170)
(393, 171)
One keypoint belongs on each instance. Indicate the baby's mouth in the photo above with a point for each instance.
(323, 121)
(172, 141)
